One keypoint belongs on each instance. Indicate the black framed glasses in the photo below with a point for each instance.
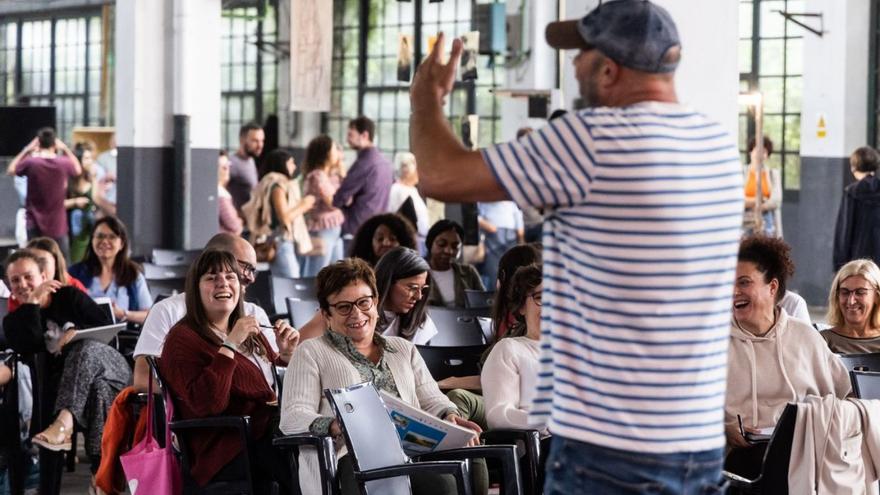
(343, 308)
(536, 296)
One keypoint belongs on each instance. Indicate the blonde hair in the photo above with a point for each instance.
(865, 268)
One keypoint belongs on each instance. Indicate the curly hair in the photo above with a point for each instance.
(362, 245)
(864, 268)
(772, 257)
(317, 153)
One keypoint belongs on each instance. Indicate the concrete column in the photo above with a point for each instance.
(167, 64)
(835, 91)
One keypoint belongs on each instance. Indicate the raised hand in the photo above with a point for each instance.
(434, 79)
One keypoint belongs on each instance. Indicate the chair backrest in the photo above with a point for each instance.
(774, 469)
(862, 362)
(866, 384)
(299, 288)
(260, 292)
(160, 272)
(479, 299)
(444, 362)
(457, 327)
(174, 257)
(301, 311)
(370, 435)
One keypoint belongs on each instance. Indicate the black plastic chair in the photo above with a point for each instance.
(301, 311)
(774, 467)
(260, 292)
(861, 362)
(323, 445)
(299, 288)
(479, 299)
(866, 384)
(444, 362)
(457, 327)
(531, 449)
(380, 464)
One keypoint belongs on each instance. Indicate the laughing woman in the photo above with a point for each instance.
(854, 309)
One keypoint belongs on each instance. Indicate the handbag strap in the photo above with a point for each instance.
(169, 417)
(150, 407)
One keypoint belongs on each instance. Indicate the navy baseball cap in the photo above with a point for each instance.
(634, 33)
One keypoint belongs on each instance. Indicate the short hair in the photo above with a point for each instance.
(362, 245)
(50, 246)
(24, 254)
(524, 131)
(276, 161)
(337, 276)
(523, 281)
(397, 264)
(771, 256)
(864, 267)
(515, 257)
(440, 227)
(768, 145)
(864, 159)
(363, 124)
(248, 127)
(46, 137)
(317, 152)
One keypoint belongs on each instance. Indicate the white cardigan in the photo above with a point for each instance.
(509, 378)
(317, 365)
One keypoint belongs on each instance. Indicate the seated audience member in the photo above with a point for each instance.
(351, 352)
(217, 362)
(230, 222)
(773, 359)
(381, 233)
(47, 250)
(853, 303)
(324, 221)
(81, 378)
(510, 373)
(450, 277)
(167, 312)
(518, 256)
(795, 306)
(107, 271)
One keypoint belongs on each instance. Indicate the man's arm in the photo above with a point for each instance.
(443, 161)
(351, 185)
(30, 148)
(77, 167)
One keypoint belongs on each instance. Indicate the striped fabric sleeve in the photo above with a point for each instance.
(551, 167)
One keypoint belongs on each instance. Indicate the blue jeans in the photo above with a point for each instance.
(285, 263)
(311, 265)
(577, 467)
(496, 245)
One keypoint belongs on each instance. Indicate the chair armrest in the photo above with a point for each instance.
(506, 454)
(530, 441)
(737, 481)
(326, 455)
(459, 469)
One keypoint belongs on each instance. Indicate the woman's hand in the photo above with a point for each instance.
(43, 290)
(335, 430)
(734, 437)
(119, 313)
(287, 339)
(244, 328)
(307, 202)
(458, 420)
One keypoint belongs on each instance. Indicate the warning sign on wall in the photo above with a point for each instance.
(820, 127)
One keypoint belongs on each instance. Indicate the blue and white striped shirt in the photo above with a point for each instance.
(639, 256)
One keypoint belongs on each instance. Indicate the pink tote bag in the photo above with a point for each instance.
(149, 469)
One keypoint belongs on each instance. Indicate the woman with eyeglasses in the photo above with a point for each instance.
(402, 278)
(107, 271)
(351, 352)
(853, 303)
(510, 373)
(773, 359)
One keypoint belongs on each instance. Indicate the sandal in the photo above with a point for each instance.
(56, 437)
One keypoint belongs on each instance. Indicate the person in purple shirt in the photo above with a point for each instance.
(365, 189)
(243, 176)
(47, 163)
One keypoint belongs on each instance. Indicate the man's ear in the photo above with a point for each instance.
(610, 72)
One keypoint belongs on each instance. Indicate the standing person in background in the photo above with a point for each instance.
(405, 188)
(771, 191)
(47, 163)
(324, 221)
(230, 222)
(80, 203)
(105, 179)
(610, 369)
(502, 225)
(364, 191)
(243, 176)
(857, 233)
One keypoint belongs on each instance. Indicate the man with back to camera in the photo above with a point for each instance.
(364, 191)
(243, 174)
(47, 163)
(644, 203)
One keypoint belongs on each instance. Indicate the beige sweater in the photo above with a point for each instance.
(784, 365)
(317, 365)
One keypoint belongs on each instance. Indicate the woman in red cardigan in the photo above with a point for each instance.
(217, 363)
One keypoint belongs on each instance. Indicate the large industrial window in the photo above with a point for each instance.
(365, 68)
(54, 61)
(771, 61)
(249, 68)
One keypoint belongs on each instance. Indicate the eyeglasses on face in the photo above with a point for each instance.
(106, 237)
(343, 308)
(536, 296)
(859, 293)
(246, 268)
(414, 290)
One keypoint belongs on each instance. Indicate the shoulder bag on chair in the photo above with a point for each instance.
(148, 468)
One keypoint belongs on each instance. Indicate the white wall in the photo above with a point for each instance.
(836, 78)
